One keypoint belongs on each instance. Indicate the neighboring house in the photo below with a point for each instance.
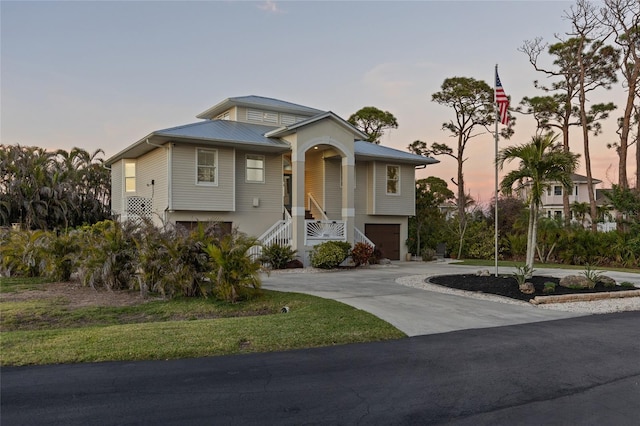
(552, 206)
(283, 172)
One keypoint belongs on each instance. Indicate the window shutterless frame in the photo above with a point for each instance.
(206, 167)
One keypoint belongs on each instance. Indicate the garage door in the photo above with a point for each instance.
(386, 237)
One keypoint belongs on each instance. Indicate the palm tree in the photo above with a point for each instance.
(542, 160)
(581, 210)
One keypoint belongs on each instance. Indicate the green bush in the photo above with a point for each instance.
(522, 273)
(428, 254)
(329, 255)
(108, 256)
(277, 256)
(549, 287)
(361, 253)
(235, 275)
(22, 253)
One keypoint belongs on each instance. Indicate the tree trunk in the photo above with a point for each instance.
(587, 157)
(565, 197)
(638, 157)
(623, 182)
(531, 235)
(462, 219)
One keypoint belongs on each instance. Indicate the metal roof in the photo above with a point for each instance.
(259, 102)
(221, 132)
(576, 178)
(224, 130)
(372, 151)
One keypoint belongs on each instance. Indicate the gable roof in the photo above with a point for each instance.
(370, 151)
(258, 102)
(576, 178)
(287, 130)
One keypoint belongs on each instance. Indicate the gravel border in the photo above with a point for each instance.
(604, 306)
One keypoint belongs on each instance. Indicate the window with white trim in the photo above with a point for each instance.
(207, 166)
(393, 180)
(557, 190)
(130, 176)
(254, 168)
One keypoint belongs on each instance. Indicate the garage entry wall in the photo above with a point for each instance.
(386, 237)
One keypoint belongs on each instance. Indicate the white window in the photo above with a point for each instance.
(207, 166)
(255, 168)
(576, 194)
(557, 190)
(130, 176)
(558, 214)
(393, 180)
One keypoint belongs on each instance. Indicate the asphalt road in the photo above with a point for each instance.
(577, 371)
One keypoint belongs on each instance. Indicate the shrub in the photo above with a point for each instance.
(234, 273)
(361, 253)
(343, 245)
(549, 287)
(522, 273)
(428, 254)
(591, 274)
(376, 256)
(60, 255)
(328, 255)
(172, 261)
(277, 256)
(108, 256)
(22, 253)
(627, 284)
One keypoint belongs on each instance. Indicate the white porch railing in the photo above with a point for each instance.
(315, 208)
(359, 237)
(319, 231)
(280, 233)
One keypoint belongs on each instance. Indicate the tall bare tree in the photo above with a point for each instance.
(596, 64)
(622, 18)
(472, 103)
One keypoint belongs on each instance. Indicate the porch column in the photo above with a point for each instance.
(348, 196)
(297, 204)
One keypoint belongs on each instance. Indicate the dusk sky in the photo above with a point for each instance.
(105, 74)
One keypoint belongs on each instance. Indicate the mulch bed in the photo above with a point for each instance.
(506, 285)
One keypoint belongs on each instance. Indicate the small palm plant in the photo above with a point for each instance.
(523, 273)
(234, 272)
(592, 274)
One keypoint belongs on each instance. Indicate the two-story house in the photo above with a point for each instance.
(552, 204)
(283, 172)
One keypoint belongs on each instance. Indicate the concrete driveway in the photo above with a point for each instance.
(416, 311)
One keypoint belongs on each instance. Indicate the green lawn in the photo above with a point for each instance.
(48, 331)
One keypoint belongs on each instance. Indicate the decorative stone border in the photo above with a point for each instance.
(565, 298)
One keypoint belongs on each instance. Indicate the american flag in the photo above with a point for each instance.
(502, 101)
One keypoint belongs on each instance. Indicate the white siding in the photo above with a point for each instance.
(268, 193)
(151, 180)
(385, 204)
(116, 187)
(187, 195)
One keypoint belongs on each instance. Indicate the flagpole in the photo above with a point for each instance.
(495, 106)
